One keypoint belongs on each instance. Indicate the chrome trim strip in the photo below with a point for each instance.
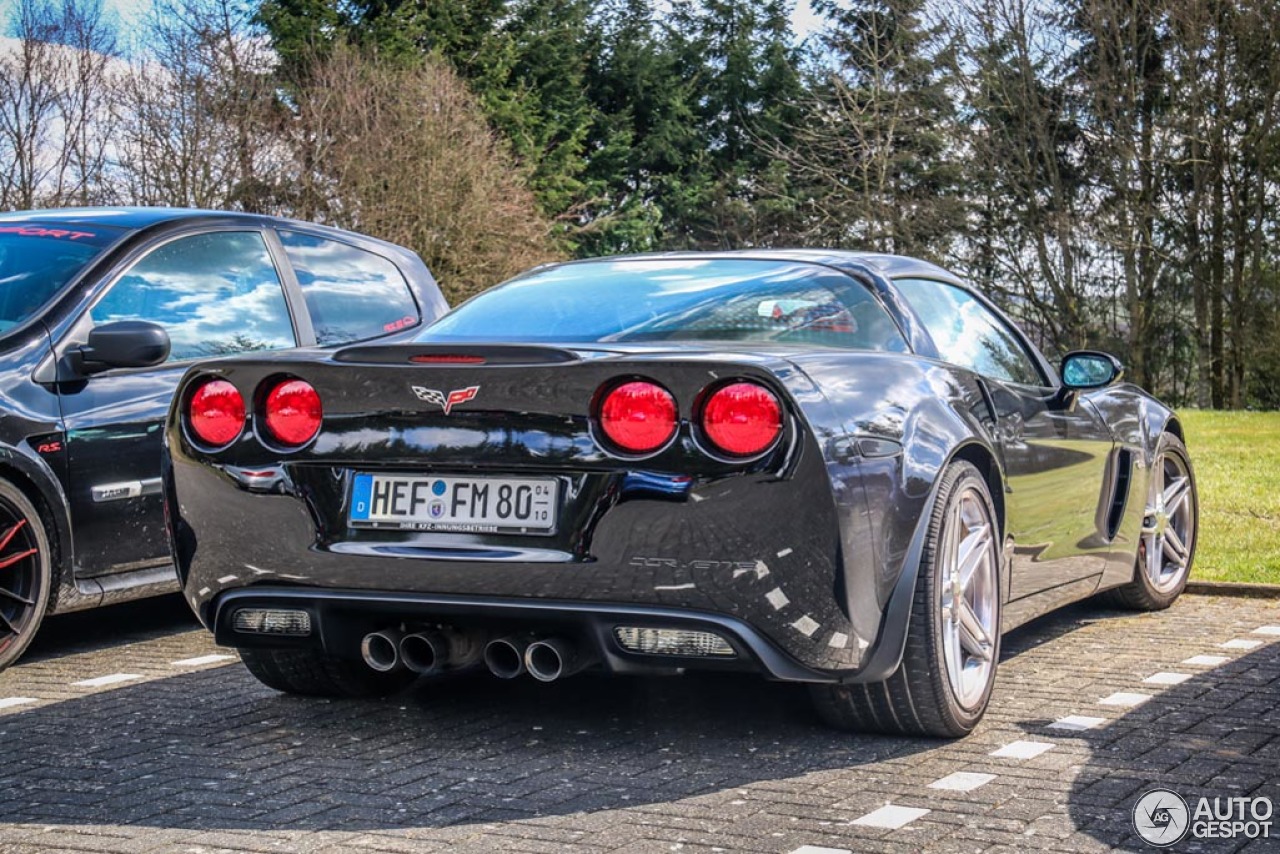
(125, 489)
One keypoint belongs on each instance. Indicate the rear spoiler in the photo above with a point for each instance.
(454, 354)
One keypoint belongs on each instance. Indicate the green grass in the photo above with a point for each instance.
(1236, 456)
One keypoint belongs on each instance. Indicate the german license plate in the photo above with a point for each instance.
(482, 505)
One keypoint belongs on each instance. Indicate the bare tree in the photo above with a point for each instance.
(404, 152)
(874, 147)
(197, 111)
(1028, 237)
(55, 125)
(84, 101)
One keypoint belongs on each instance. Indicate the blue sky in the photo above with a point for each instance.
(802, 18)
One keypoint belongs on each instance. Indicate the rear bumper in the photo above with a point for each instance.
(739, 549)
(340, 618)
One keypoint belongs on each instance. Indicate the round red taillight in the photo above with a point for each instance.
(638, 417)
(216, 413)
(293, 412)
(742, 419)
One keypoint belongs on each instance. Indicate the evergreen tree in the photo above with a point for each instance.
(876, 148)
(645, 148)
(747, 87)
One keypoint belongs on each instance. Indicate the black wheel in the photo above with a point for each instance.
(314, 674)
(1170, 522)
(948, 669)
(26, 572)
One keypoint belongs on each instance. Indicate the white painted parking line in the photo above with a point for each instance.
(99, 681)
(1165, 678)
(1077, 723)
(202, 659)
(890, 817)
(1207, 660)
(1124, 698)
(1267, 630)
(962, 781)
(818, 849)
(10, 702)
(1022, 750)
(1240, 643)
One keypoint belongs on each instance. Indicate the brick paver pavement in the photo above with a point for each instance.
(122, 733)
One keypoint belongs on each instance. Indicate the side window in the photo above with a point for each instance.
(351, 294)
(215, 294)
(967, 333)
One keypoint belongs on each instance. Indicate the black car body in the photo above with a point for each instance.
(85, 387)
(805, 556)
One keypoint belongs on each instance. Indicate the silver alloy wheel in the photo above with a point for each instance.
(969, 597)
(1168, 524)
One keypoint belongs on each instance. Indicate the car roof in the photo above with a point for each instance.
(134, 219)
(123, 217)
(889, 266)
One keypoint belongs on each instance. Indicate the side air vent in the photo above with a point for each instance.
(1120, 493)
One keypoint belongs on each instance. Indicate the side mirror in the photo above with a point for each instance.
(122, 344)
(1083, 370)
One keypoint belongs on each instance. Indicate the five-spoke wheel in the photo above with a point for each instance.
(970, 605)
(1169, 523)
(1167, 542)
(948, 668)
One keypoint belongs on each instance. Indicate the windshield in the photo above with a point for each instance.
(38, 260)
(717, 299)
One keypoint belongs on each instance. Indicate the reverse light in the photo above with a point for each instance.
(216, 413)
(293, 412)
(272, 621)
(639, 417)
(672, 642)
(742, 419)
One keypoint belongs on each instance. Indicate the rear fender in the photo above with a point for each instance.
(897, 434)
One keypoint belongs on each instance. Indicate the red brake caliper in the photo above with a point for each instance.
(4, 543)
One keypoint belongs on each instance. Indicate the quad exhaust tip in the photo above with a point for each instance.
(381, 650)
(547, 660)
(424, 652)
(505, 657)
(436, 650)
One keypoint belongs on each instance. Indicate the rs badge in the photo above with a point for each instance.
(446, 401)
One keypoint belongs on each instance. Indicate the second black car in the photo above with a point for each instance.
(101, 312)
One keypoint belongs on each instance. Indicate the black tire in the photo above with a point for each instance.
(26, 573)
(314, 674)
(1141, 593)
(918, 699)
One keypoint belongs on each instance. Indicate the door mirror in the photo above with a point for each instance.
(1086, 369)
(122, 344)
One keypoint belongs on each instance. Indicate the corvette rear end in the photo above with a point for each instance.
(838, 469)
(632, 511)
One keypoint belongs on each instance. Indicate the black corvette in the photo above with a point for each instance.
(842, 469)
(101, 313)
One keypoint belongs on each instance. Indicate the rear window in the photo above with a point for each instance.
(677, 300)
(37, 260)
(351, 294)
